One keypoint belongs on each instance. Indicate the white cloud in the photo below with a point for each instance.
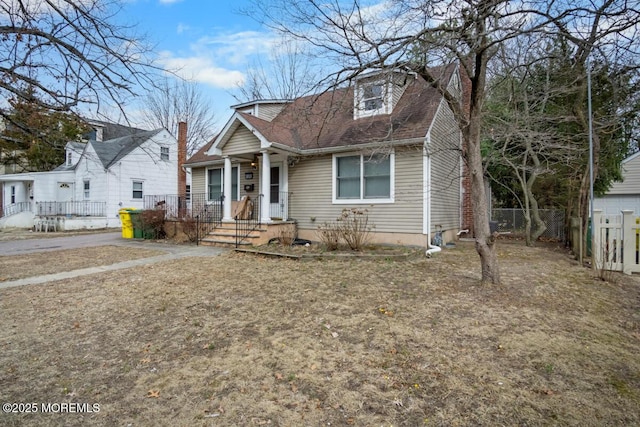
(215, 60)
(201, 69)
(182, 28)
(236, 48)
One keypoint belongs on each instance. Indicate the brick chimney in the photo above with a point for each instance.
(182, 158)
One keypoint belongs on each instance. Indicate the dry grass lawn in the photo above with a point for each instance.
(240, 340)
(41, 263)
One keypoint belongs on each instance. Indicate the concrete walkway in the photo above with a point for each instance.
(173, 251)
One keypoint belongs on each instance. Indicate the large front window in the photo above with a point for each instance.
(363, 178)
(215, 183)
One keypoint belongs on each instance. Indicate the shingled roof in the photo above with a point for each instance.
(111, 151)
(326, 121)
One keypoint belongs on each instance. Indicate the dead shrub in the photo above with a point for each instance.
(354, 227)
(329, 235)
(152, 222)
(190, 228)
(287, 235)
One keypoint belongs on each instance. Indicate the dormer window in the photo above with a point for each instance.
(69, 159)
(372, 97)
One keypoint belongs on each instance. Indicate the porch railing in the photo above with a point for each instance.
(15, 208)
(279, 208)
(208, 215)
(248, 220)
(75, 208)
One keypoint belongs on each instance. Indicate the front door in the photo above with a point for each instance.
(65, 192)
(275, 210)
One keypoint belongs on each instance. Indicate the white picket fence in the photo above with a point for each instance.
(616, 242)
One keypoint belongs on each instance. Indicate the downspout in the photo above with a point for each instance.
(427, 176)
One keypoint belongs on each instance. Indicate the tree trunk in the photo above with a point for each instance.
(539, 225)
(485, 241)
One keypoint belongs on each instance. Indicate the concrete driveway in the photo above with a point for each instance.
(31, 245)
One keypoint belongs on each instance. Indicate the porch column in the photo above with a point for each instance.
(265, 203)
(226, 190)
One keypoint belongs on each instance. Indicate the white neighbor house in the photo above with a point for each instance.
(623, 195)
(97, 179)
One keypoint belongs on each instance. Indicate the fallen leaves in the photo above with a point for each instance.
(385, 311)
(153, 394)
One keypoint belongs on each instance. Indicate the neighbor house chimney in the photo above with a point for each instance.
(182, 158)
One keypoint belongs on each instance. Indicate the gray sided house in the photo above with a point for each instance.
(623, 195)
(388, 143)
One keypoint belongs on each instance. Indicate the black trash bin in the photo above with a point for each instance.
(493, 227)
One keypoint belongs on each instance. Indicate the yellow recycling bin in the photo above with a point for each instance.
(127, 225)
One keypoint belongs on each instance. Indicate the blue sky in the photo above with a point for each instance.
(209, 41)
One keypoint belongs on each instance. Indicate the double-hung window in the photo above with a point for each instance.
(215, 184)
(363, 178)
(137, 190)
(87, 189)
(372, 97)
(164, 153)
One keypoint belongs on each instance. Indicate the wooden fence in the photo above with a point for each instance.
(616, 242)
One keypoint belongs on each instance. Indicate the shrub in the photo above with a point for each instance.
(287, 235)
(152, 224)
(189, 228)
(329, 235)
(354, 227)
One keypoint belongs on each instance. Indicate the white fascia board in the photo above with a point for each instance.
(215, 150)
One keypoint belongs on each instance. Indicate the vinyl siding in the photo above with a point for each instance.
(241, 142)
(398, 87)
(631, 182)
(269, 111)
(311, 186)
(445, 170)
(198, 180)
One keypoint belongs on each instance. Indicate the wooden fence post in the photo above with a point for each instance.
(629, 242)
(596, 240)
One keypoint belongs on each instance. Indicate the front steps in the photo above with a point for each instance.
(224, 235)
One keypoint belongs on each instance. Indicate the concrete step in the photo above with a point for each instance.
(223, 243)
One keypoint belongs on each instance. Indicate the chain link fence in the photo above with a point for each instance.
(512, 221)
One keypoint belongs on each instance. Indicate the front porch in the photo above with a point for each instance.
(246, 225)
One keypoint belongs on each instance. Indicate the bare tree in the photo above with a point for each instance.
(608, 29)
(358, 38)
(64, 54)
(175, 101)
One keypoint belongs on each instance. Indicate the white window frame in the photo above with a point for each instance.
(361, 200)
(165, 154)
(222, 181)
(133, 189)
(69, 158)
(86, 189)
(360, 101)
(13, 194)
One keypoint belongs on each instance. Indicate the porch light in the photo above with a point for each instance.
(254, 163)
